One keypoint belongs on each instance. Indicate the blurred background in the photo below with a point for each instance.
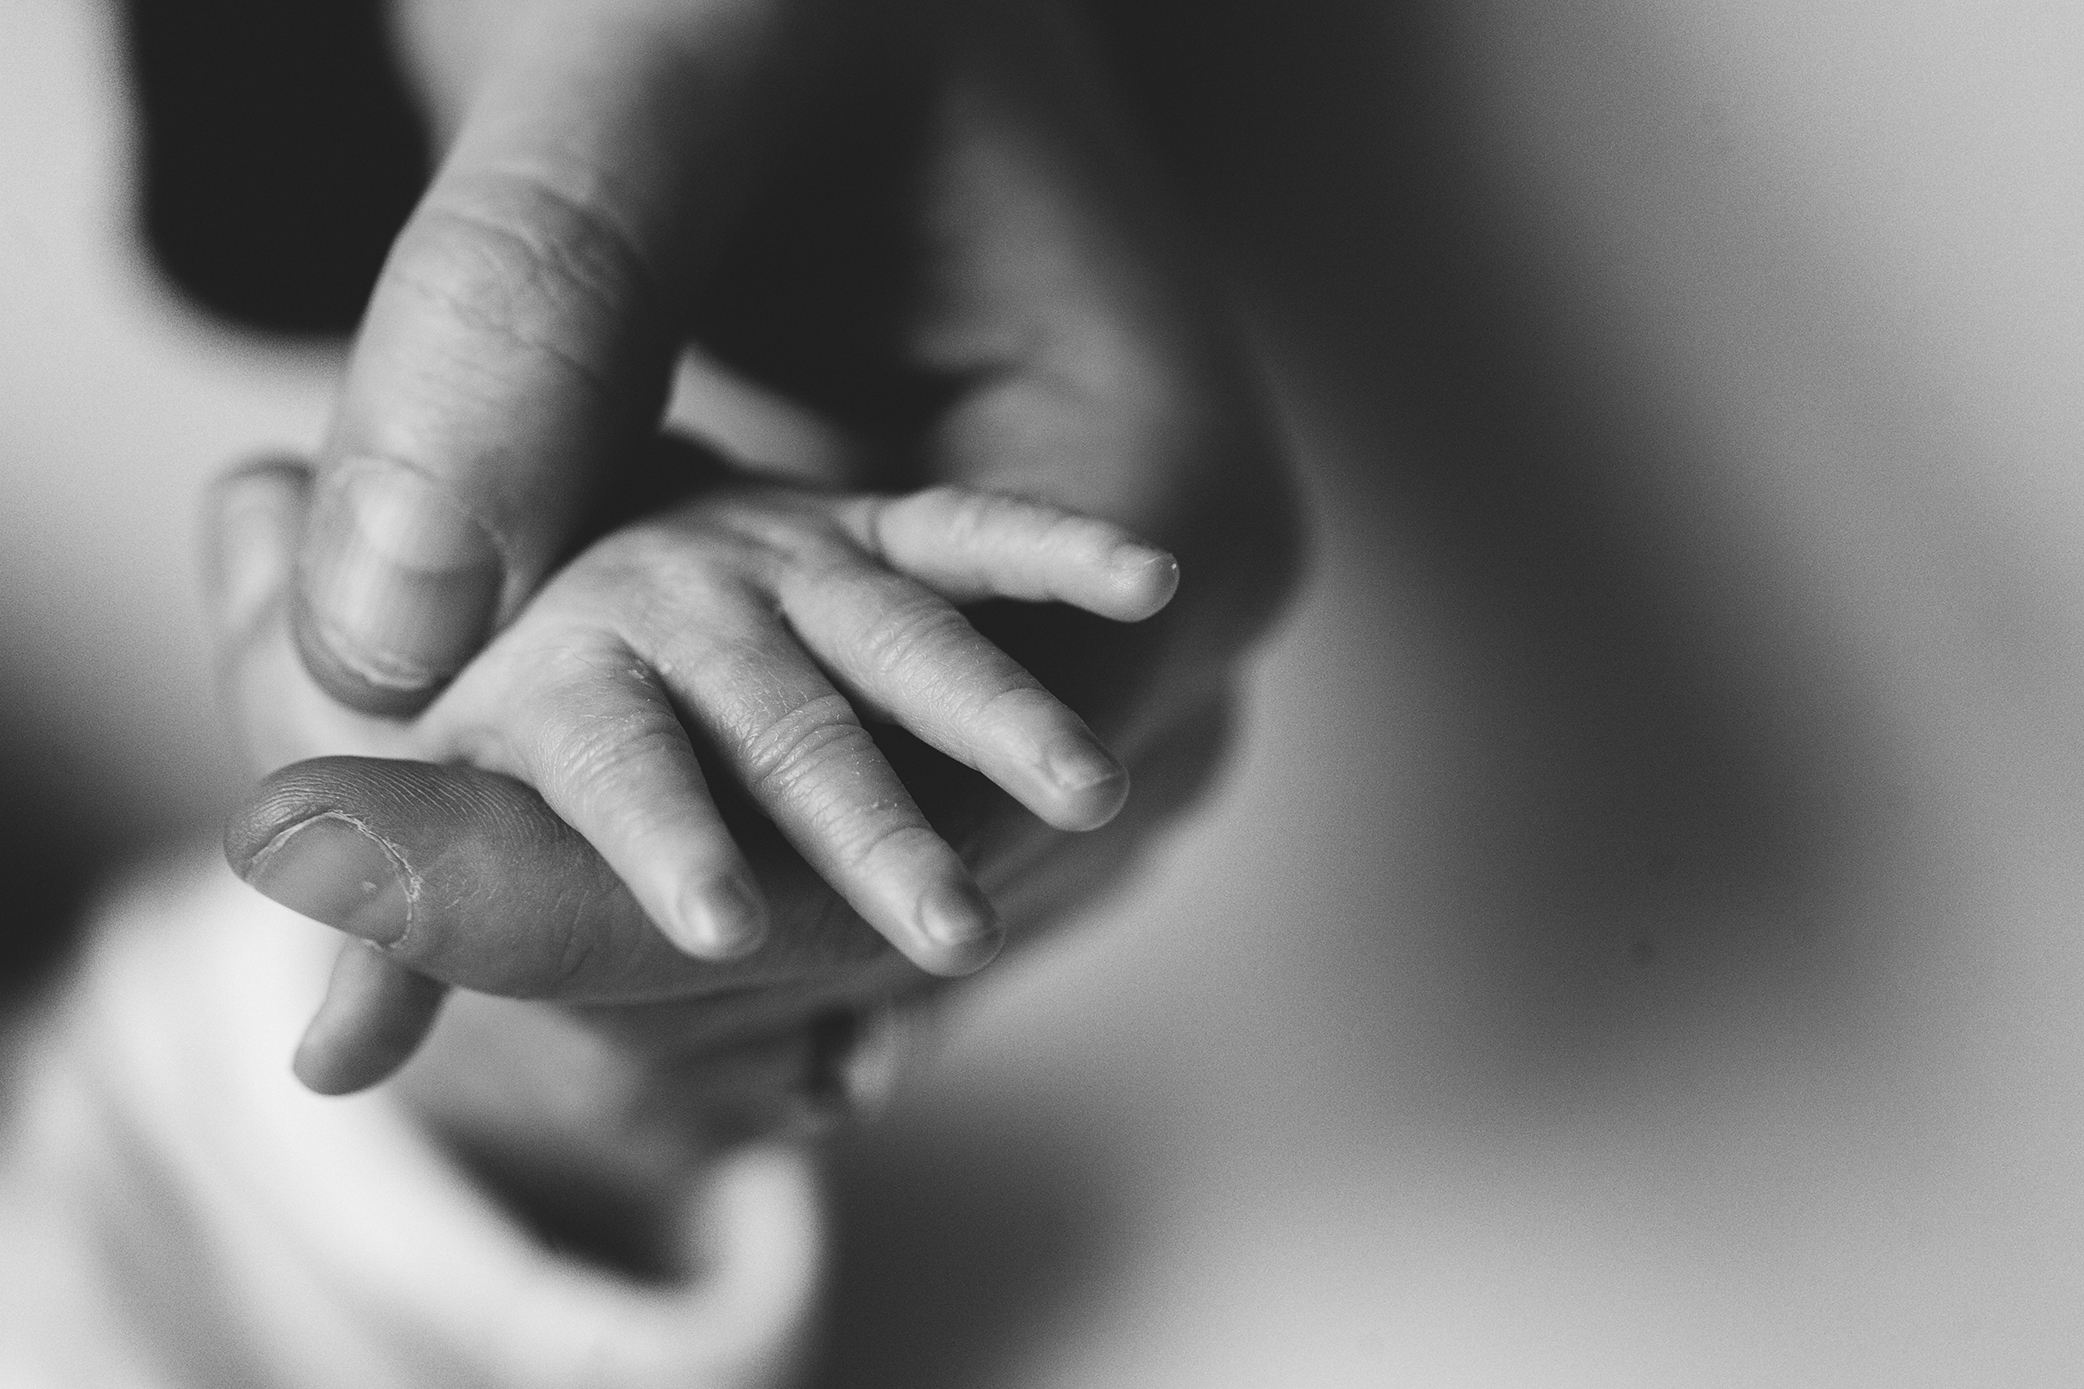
(1636, 942)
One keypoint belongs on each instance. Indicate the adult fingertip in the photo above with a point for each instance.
(375, 1015)
(399, 588)
(252, 517)
(719, 918)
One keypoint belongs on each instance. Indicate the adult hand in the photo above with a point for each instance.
(918, 224)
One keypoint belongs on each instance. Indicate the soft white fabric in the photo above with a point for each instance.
(176, 1210)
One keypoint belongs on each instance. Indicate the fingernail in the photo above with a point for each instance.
(956, 916)
(331, 870)
(720, 918)
(1079, 764)
(1152, 573)
(401, 583)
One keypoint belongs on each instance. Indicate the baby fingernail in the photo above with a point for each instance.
(401, 583)
(1079, 764)
(956, 916)
(720, 918)
(1152, 573)
(329, 869)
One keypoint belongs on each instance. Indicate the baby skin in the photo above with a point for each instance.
(749, 631)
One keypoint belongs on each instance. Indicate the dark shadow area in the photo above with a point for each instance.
(280, 155)
(46, 863)
(958, 1240)
(1633, 776)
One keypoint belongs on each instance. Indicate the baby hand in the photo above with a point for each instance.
(758, 623)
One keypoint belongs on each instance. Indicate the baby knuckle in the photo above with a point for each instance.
(596, 752)
(780, 755)
(908, 632)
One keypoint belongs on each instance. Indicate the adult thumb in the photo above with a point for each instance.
(521, 337)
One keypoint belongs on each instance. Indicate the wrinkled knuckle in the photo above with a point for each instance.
(587, 707)
(596, 752)
(780, 755)
(515, 257)
(909, 633)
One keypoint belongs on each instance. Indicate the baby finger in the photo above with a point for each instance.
(590, 726)
(913, 656)
(801, 752)
(968, 545)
